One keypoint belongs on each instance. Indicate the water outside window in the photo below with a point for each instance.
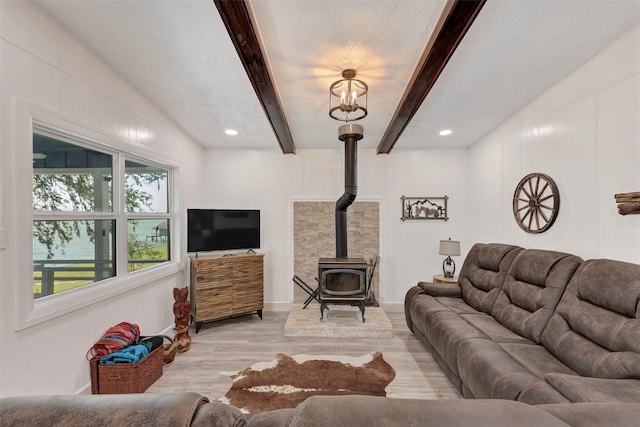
(148, 243)
(67, 255)
(75, 219)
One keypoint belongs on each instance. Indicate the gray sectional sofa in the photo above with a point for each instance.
(534, 326)
(535, 338)
(192, 409)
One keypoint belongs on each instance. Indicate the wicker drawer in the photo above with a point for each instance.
(214, 303)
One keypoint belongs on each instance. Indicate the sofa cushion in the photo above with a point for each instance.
(532, 289)
(490, 373)
(588, 389)
(457, 305)
(275, 418)
(483, 273)
(536, 359)
(365, 411)
(493, 329)
(595, 327)
(421, 308)
(595, 414)
(491, 256)
(446, 331)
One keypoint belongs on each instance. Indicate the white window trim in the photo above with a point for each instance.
(30, 312)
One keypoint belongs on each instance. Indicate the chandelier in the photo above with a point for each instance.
(348, 98)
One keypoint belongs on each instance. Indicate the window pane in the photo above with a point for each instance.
(145, 188)
(70, 178)
(148, 243)
(70, 254)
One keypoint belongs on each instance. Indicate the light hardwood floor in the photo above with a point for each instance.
(234, 344)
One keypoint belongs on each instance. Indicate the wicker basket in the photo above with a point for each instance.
(121, 378)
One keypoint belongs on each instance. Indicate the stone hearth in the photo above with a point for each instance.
(339, 321)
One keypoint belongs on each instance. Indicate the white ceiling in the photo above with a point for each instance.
(178, 54)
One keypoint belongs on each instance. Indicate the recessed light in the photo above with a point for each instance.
(446, 132)
(231, 132)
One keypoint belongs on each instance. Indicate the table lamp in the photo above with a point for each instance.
(449, 248)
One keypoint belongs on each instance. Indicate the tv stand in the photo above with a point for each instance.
(223, 287)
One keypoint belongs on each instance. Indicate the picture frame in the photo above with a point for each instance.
(425, 208)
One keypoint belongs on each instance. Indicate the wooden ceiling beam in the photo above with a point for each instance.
(458, 17)
(237, 20)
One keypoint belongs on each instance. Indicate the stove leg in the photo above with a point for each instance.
(322, 305)
(362, 310)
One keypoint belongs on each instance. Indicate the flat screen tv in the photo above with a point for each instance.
(222, 229)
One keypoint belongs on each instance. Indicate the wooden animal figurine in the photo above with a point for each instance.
(182, 310)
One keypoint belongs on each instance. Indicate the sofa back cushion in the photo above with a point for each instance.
(596, 327)
(532, 289)
(483, 273)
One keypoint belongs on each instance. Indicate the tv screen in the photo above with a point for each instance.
(222, 229)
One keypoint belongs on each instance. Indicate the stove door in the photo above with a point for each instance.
(342, 281)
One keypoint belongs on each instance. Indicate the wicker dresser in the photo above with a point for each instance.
(225, 286)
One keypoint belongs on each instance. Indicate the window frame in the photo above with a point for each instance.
(31, 311)
(128, 216)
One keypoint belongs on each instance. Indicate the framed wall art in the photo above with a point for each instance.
(424, 208)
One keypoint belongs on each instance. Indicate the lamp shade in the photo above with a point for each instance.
(449, 247)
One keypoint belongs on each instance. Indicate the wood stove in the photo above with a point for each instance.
(343, 279)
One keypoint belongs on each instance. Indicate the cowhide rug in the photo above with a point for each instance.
(287, 381)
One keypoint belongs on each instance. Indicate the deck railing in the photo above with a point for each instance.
(54, 272)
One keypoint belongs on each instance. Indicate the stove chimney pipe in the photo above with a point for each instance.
(350, 134)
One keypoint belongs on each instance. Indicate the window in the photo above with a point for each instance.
(147, 212)
(90, 205)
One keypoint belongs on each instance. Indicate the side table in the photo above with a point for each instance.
(439, 278)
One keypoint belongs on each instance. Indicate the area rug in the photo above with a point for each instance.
(289, 380)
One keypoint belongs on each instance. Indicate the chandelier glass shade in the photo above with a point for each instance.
(348, 98)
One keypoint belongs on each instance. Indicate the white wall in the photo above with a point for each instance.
(585, 133)
(269, 181)
(45, 65)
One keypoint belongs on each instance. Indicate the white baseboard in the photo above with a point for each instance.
(277, 306)
(393, 307)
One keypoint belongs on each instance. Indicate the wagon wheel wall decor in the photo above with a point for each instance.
(536, 202)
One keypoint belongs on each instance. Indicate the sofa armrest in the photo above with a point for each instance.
(157, 409)
(216, 414)
(589, 389)
(408, 300)
(441, 289)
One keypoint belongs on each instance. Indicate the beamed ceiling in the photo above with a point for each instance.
(263, 67)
